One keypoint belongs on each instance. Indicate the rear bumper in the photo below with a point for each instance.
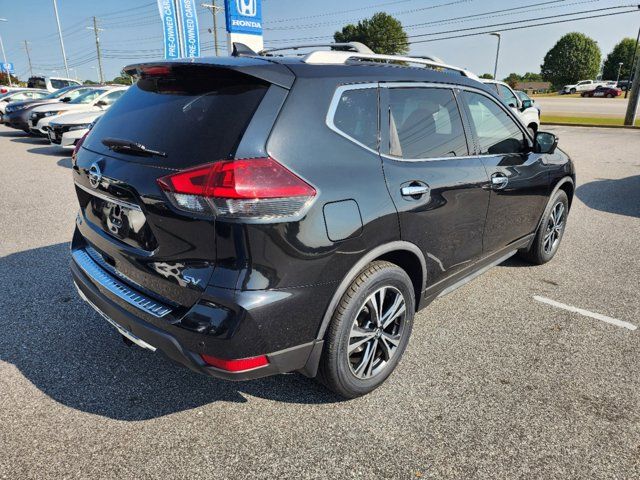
(185, 346)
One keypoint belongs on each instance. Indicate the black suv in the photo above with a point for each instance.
(255, 215)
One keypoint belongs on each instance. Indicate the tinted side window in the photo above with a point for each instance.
(58, 83)
(357, 115)
(110, 98)
(425, 123)
(508, 96)
(497, 133)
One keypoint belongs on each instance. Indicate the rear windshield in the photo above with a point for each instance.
(196, 115)
(36, 82)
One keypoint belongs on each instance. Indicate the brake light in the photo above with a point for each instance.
(157, 71)
(239, 365)
(246, 188)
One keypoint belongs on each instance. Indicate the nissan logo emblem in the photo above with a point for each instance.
(95, 175)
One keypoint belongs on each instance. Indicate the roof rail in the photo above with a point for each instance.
(352, 46)
(337, 57)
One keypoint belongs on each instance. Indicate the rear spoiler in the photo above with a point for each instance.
(260, 68)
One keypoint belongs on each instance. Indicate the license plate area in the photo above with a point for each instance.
(122, 220)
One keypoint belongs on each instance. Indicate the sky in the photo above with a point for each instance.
(132, 30)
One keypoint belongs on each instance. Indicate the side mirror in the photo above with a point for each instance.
(66, 99)
(545, 142)
(527, 104)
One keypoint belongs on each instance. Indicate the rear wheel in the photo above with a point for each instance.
(369, 331)
(550, 232)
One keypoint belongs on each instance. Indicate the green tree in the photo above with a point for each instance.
(486, 76)
(123, 79)
(381, 33)
(513, 79)
(575, 57)
(532, 77)
(621, 53)
(89, 82)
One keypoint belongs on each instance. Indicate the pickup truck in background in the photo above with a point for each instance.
(582, 86)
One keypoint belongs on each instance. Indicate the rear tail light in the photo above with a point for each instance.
(240, 365)
(256, 188)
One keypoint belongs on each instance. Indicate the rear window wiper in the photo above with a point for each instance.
(127, 146)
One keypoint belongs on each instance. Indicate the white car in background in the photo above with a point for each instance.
(67, 129)
(21, 95)
(51, 83)
(95, 100)
(526, 112)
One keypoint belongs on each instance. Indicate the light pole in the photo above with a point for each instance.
(214, 10)
(64, 55)
(619, 69)
(4, 55)
(495, 70)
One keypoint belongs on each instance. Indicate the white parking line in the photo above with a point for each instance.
(586, 313)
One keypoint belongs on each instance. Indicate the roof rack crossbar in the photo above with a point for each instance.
(337, 57)
(353, 46)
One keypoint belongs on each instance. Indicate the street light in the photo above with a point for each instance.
(495, 70)
(619, 68)
(4, 55)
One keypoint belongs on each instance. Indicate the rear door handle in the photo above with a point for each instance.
(499, 181)
(415, 190)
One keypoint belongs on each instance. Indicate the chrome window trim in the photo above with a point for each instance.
(333, 107)
(91, 268)
(410, 84)
(107, 198)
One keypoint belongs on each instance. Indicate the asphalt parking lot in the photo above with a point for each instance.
(494, 384)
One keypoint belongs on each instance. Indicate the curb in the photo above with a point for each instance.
(589, 125)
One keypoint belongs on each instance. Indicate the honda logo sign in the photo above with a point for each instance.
(247, 8)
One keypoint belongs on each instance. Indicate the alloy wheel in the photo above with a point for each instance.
(555, 225)
(376, 332)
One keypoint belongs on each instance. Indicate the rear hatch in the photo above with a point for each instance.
(188, 115)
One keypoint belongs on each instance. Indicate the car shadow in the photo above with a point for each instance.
(29, 140)
(620, 196)
(13, 133)
(72, 355)
(51, 150)
(64, 162)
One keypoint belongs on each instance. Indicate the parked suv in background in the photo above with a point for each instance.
(526, 112)
(257, 215)
(51, 83)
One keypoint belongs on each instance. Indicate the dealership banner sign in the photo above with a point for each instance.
(244, 16)
(244, 23)
(180, 28)
(189, 27)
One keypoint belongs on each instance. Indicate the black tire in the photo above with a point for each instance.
(544, 248)
(337, 370)
(609, 95)
(572, 91)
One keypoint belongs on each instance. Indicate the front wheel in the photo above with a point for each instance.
(609, 95)
(550, 232)
(369, 331)
(572, 91)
